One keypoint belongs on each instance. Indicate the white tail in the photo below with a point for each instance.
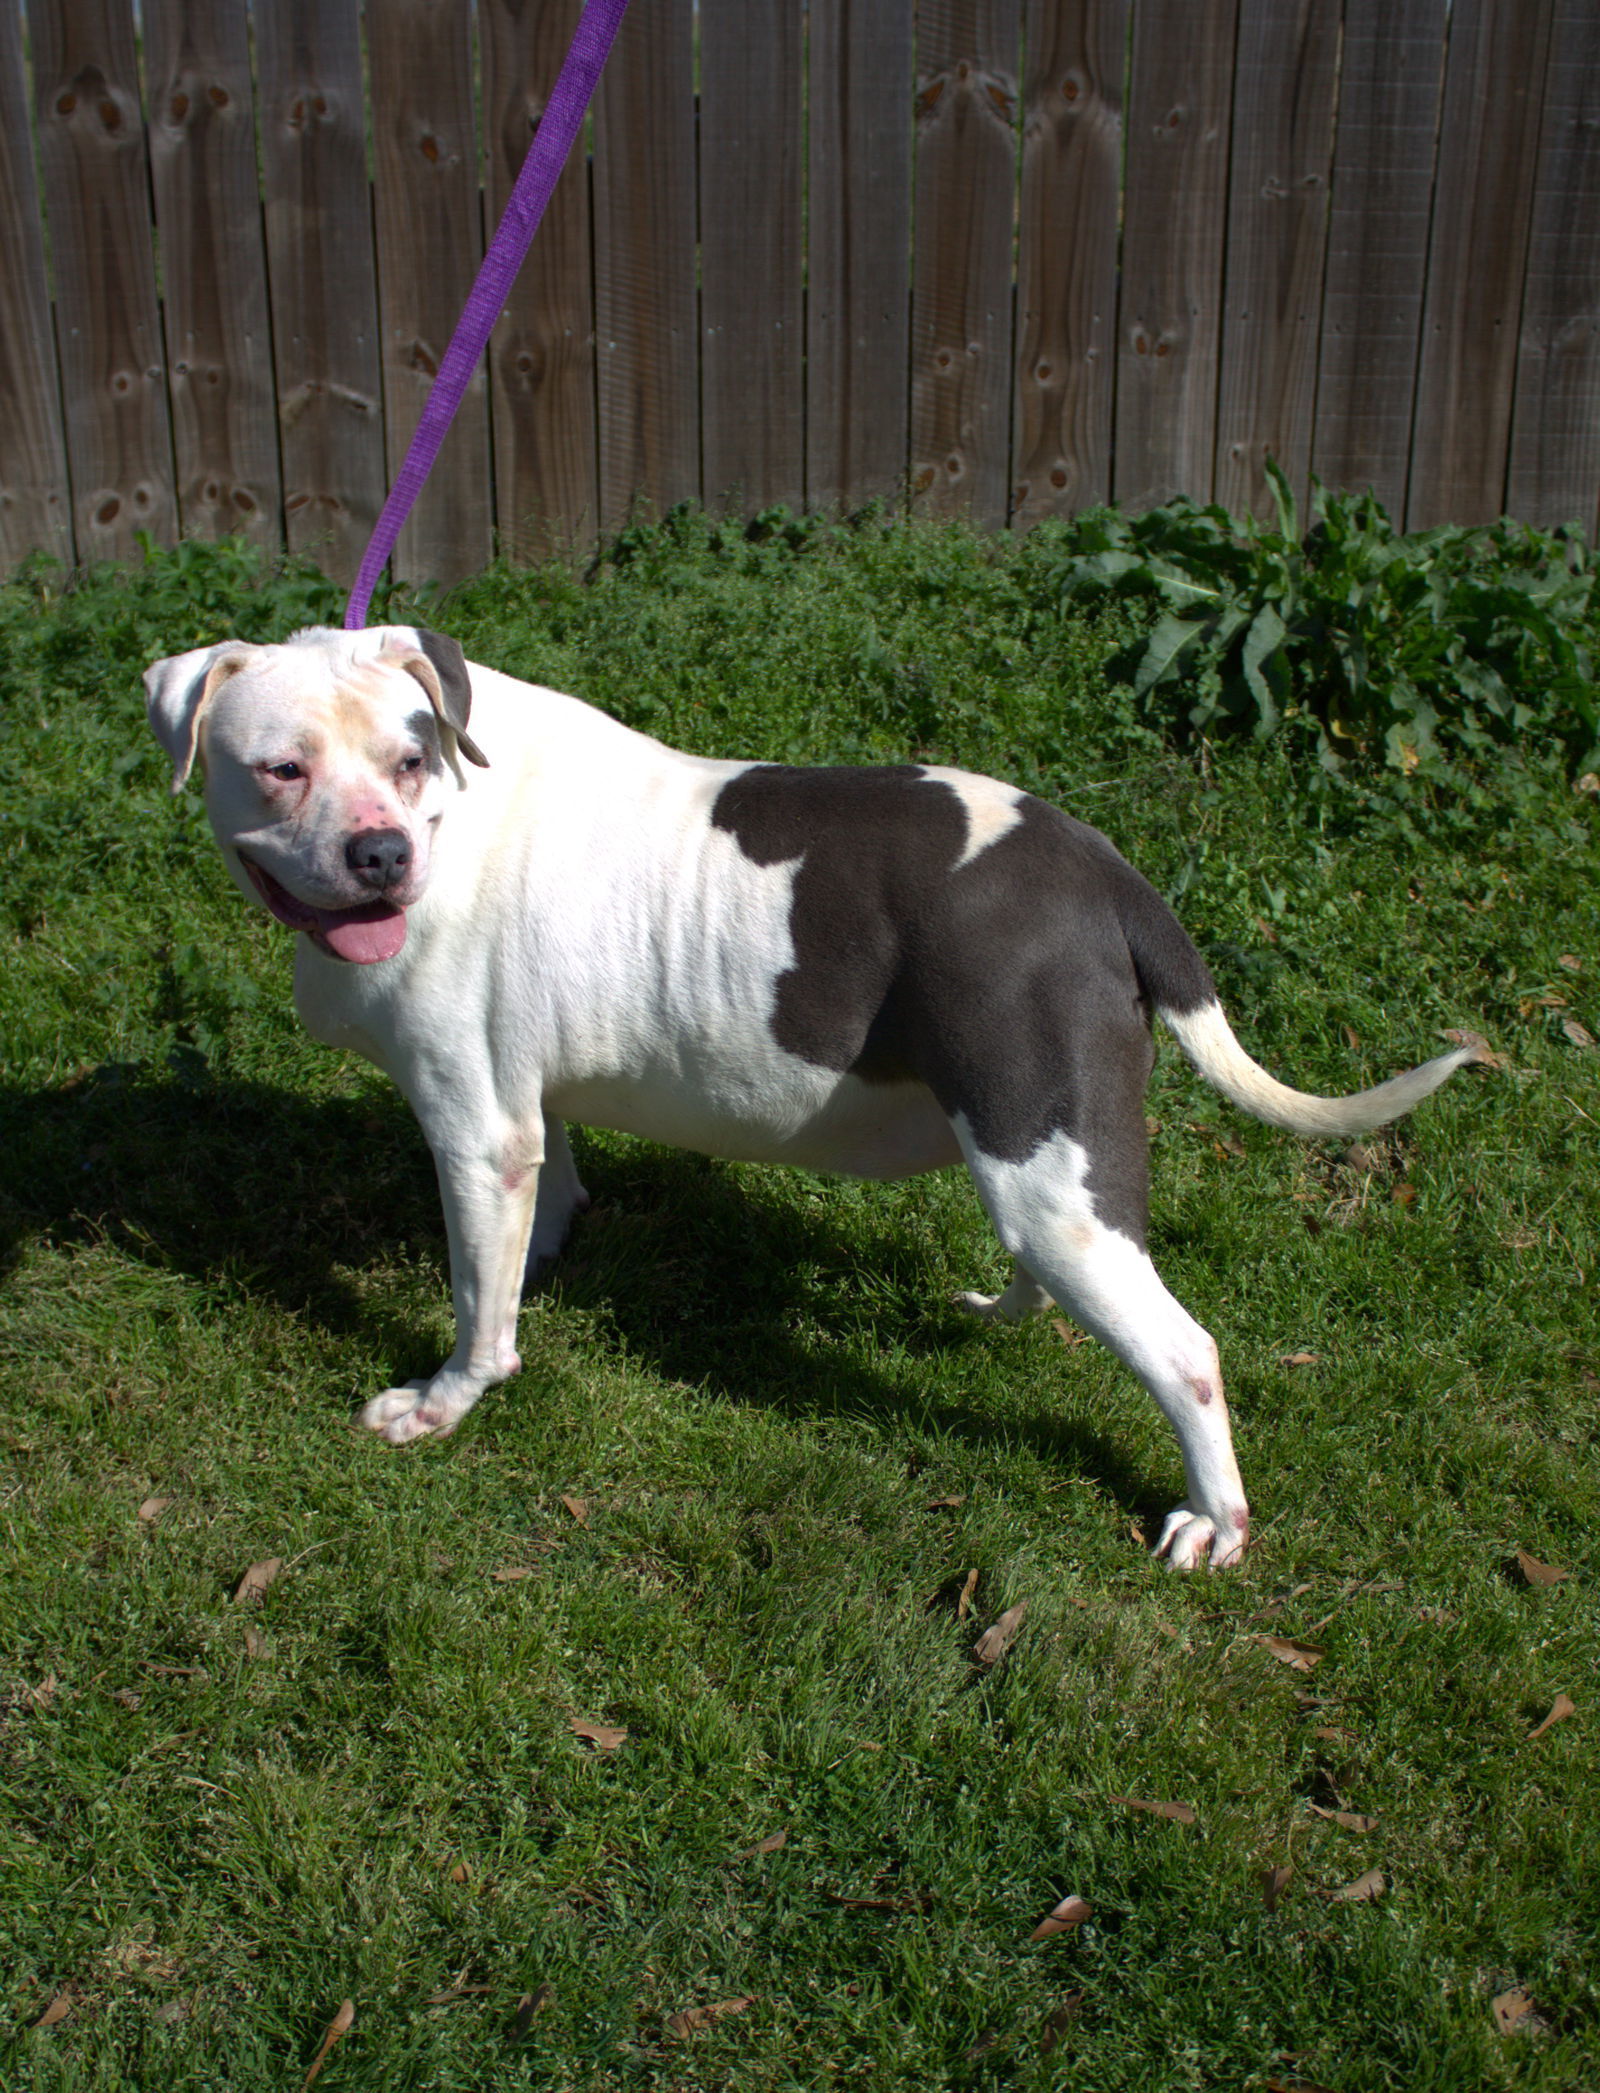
(1207, 1038)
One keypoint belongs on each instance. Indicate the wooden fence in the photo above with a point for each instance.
(1004, 258)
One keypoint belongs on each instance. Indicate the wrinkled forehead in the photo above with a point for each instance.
(289, 696)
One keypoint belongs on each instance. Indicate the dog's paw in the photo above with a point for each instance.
(987, 1307)
(402, 1414)
(1192, 1541)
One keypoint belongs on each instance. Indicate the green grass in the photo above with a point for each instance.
(220, 1820)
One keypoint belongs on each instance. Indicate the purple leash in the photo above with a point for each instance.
(547, 155)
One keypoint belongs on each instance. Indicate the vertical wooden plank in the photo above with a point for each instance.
(213, 269)
(324, 295)
(35, 508)
(961, 302)
(858, 250)
(1389, 88)
(97, 197)
(1170, 321)
(1488, 156)
(1067, 255)
(751, 349)
(541, 356)
(429, 227)
(646, 300)
(1284, 82)
(1555, 434)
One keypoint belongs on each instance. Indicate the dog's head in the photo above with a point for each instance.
(328, 762)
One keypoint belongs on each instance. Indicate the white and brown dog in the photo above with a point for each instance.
(877, 971)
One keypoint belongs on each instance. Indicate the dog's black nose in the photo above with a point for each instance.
(379, 857)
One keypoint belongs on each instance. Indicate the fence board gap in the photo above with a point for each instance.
(858, 256)
(1170, 323)
(322, 278)
(646, 300)
(108, 324)
(213, 270)
(1555, 439)
(1285, 77)
(1488, 157)
(1070, 216)
(35, 506)
(429, 243)
(968, 56)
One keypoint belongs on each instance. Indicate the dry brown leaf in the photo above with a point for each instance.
(57, 2010)
(1179, 1812)
(918, 1901)
(1353, 1038)
(949, 1504)
(1571, 961)
(126, 1697)
(967, 1590)
(1299, 1358)
(993, 1643)
(1067, 1334)
(253, 1585)
(770, 1844)
(1362, 1890)
(1559, 1712)
(1580, 1035)
(579, 1508)
(152, 1508)
(341, 2024)
(1483, 1053)
(597, 1734)
(1274, 1881)
(460, 1872)
(529, 2006)
(693, 2017)
(456, 1993)
(1510, 2010)
(1229, 1145)
(1536, 1572)
(1404, 1195)
(1070, 1912)
(1298, 1654)
(1588, 785)
(1057, 2023)
(1352, 1820)
(254, 1643)
(514, 1576)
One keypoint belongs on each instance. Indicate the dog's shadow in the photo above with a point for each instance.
(719, 1278)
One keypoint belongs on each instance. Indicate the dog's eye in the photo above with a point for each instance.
(410, 763)
(286, 773)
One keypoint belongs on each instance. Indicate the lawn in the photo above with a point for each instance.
(637, 1735)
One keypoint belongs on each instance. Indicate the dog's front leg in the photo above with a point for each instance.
(488, 1213)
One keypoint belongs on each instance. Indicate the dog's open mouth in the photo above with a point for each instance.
(374, 930)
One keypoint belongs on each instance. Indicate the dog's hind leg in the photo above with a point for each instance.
(561, 1195)
(1044, 1211)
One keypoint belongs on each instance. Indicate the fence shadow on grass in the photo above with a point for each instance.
(705, 1272)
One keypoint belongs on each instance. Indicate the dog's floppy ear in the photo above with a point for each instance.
(439, 665)
(176, 694)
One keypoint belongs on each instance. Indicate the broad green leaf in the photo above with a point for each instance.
(1170, 640)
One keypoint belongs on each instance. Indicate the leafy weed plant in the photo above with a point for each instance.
(1411, 648)
(759, 1487)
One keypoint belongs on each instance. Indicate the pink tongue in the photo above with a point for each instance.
(363, 935)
